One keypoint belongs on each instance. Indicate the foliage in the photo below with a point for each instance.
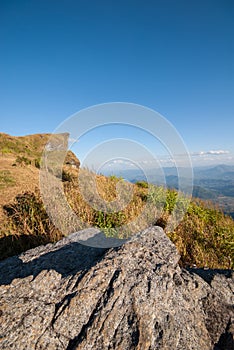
(6, 178)
(142, 184)
(66, 176)
(27, 214)
(22, 160)
(37, 163)
(109, 222)
(27, 225)
(205, 236)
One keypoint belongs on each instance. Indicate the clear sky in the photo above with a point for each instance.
(176, 57)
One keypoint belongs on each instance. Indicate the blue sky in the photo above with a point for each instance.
(176, 57)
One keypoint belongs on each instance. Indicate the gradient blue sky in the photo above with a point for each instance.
(176, 57)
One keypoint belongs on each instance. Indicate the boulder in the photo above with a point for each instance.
(134, 296)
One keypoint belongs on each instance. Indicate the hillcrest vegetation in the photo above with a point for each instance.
(204, 237)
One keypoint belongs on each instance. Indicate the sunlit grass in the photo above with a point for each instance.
(204, 236)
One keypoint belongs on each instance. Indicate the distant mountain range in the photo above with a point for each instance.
(226, 172)
(214, 183)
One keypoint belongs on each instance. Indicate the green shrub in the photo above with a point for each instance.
(37, 163)
(115, 178)
(109, 220)
(5, 150)
(21, 160)
(109, 223)
(142, 184)
(6, 178)
(170, 202)
(157, 195)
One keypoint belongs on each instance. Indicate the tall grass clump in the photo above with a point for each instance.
(205, 237)
(27, 225)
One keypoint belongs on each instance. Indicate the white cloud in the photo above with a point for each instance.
(118, 161)
(213, 152)
(212, 157)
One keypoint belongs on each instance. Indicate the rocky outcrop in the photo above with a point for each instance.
(71, 296)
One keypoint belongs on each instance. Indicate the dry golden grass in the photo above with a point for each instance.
(17, 177)
(24, 178)
(204, 237)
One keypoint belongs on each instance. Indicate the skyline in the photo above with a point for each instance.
(98, 137)
(173, 57)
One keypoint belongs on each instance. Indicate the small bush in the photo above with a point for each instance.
(109, 220)
(37, 163)
(66, 176)
(115, 178)
(21, 160)
(170, 201)
(5, 150)
(6, 178)
(27, 215)
(142, 184)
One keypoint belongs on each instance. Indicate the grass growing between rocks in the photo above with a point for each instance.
(205, 236)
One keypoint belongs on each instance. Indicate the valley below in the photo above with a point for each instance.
(213, 183)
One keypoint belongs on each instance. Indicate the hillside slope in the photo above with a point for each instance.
(20, 164)
(203, 237)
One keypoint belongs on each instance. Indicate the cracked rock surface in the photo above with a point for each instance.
(71, 296)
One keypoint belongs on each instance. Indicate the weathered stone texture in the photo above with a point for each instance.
(71, 296)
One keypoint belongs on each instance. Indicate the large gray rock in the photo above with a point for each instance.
(71, 296)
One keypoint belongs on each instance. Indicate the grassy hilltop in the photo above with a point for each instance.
(20, 164)
(204, 237)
